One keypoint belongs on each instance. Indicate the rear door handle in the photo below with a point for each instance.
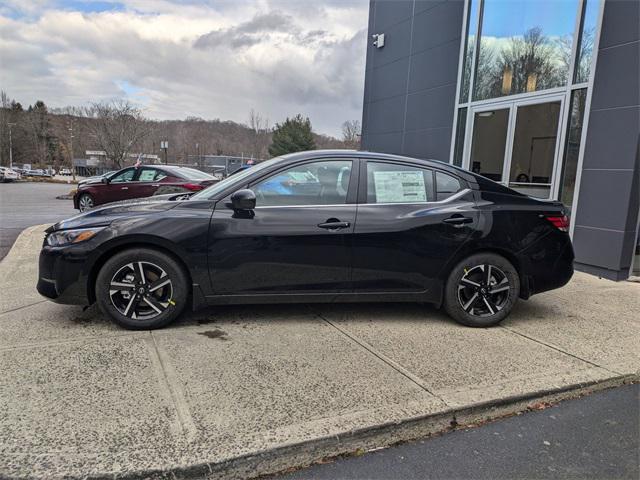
(334, 225)
(458, 220)
(124, 188)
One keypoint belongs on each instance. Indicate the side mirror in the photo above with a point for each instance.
(104, 180)
(243, 200)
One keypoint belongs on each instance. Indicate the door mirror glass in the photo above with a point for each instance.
(243, 199)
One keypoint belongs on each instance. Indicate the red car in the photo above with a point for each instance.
(137, 182)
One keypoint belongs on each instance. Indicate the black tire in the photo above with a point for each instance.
(153, 306)
(85, 202)
(486, 284)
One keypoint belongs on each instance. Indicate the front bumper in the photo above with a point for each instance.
(62, 276)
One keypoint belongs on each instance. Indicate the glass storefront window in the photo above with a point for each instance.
(488, 143)
(586, 41)
(572, 146)
(525, 46)
(459, 141)
(470, 43)
(534, 148)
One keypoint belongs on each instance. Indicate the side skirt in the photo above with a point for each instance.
(419, 297)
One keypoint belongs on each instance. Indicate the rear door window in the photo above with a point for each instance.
(396, 183)
(151, 175)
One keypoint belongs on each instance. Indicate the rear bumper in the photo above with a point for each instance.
(61, 276)
(550, 265)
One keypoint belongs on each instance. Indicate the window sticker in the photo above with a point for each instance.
(397, 187)
(147, 176)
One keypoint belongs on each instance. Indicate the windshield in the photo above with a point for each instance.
(213, 190)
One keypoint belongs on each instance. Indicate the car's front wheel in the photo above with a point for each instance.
(85, 202)
(142, 289)
(482, 290)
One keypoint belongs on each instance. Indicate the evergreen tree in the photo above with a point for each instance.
(294, 135)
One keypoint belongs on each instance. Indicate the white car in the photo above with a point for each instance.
(8, 175)
(65, 171)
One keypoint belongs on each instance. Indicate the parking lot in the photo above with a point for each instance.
(23, 204)
(240, 391)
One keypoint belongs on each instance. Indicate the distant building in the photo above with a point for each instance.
(222, 164)
(96, 162)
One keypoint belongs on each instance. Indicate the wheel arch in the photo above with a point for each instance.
(525, 291)
(148, 242)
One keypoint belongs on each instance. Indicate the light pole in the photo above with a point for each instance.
(164, 145)
(73, 168)
(10, 146)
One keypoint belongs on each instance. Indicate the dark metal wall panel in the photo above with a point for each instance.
(607, 212)
(410, 83)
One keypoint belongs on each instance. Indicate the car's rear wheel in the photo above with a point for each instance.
(142, 289)
(482, 290)
(85, 202)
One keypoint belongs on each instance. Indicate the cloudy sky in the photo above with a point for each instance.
(206, 58)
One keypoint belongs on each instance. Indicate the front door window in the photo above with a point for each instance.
(316, 183)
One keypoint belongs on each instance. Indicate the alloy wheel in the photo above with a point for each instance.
(86, 203)
(483, 290)
(141, 290)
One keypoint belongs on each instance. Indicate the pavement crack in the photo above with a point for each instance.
(23, 306)
(172, 389)
(391, 363)
(558, 349)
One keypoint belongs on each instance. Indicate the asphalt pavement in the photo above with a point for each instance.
(592, 437)
(24, 204)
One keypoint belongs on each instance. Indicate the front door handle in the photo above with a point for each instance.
(124, 188)
(457, 220)
(334, 225)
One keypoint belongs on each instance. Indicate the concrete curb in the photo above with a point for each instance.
(303, 454)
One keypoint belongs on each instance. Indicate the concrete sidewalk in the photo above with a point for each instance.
(236, 392)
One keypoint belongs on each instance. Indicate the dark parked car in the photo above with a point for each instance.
(321, 226)
(138, 182)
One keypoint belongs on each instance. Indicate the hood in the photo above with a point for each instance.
(126, 209)
(90, 181)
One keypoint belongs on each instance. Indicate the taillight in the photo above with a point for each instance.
(194, 187)
(561, 222)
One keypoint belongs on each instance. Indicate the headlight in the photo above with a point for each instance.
(67, 237)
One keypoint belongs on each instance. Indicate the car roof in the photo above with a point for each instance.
(365, 154)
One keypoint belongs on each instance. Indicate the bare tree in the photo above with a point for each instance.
(116, 127)
(351, 134)
(261, 132)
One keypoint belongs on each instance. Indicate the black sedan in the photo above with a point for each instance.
(320, 226)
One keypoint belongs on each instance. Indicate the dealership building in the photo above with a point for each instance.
(541, 95)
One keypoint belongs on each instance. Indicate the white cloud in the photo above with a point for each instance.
(178, 59)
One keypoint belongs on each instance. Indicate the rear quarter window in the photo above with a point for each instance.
(446, 186)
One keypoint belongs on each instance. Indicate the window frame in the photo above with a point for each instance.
(351, 189)
(363, 184)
